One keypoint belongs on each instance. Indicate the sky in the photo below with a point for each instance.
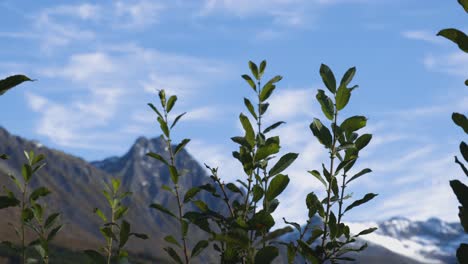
(99, 63)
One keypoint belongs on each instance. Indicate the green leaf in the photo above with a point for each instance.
(4, 156)
(12, 81)
(353, 123)
(233, 188)
(267, 91)
(173, 254)
(307, 252)
(191, 193)
(181, 145)
(333, 226)
(177, 119)
(277, 186)
(464, 4)
(121, 211)
(170, 103)
(363, 141)
(266, 255)
(250, 81)
(162, 209)
(96, 257)
(158, 157)
(328, 78)
(326, 103)
(461, 191)
(348, 77)
(271, 147)
(262, 68)
(124, 233)
(51, 220)
(26, 171)
(366, 231)
(456, 36)
(201, 205)
(6, 201)
(249, 132)
(365, 199)
(275, 125)
(317, 175)
(342, 97)
(155, 110)
(464, 150)
(199, 247)
(263, 108)
(257, 193)
(461, 121)
(163, 126)
(38, 159)
(39, 192)
(53, 233)
(172, 240)
(115, 184)
(250, 107)
(140, 236)
(321, 132)
(283, 163)
(359, 174)
(277, 234)
(254, 70)
(174, 174)
(462, 253)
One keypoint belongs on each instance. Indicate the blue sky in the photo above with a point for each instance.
(99, 63)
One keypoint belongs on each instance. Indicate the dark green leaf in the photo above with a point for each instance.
(257, 193)
(262, 68)
(172, 240)
(177, 119)
(266, 255)
(162, 209)
(254, 70)
(461, 191)
(276, 234)
(464, 150)
(342, 97)
(155, 110)
(170, 103)
(267, 91)
(233, 188)
(163, 126)
(250, 107)
(461, 121)
(4, 156)
(51, 220)
(465, 170)
(277, 186)
(363, 141)
(26, 171)
(366, 231)
(173, 254)
(328, 78)
(321, 133)
(140, 236)
(158, 157)
(174, 174)
(462, 253)
(456, 36)
(121, 211)
(283, 163)
(275, 125)
(6, 201)
(100, 214)
(53, 233)
(359, 174)
(271, 147)
(353, 123)
(12, 81)
(124, 233)
(39, 192)
(191, 193)
(249, 132)
(365, 199)
(464, 4)
(199, 247)
(307, 252)
(326, 103)
(317, 175)
(181, 145)
(201, 205)
(348, 77)
(249, 81)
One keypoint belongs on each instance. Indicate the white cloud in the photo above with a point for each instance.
(290, 103)
(137, 14)
(455, 63)
(423, 35)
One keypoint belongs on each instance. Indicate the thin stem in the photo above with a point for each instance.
(23, 240)
(332, 158)
(176, 187)
(340, 206)
(109, 244)
(226, 197)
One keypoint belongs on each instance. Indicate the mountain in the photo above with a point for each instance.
(400, 240)
(76, 190)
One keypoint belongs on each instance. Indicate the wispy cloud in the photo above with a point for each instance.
(423, 35)
(455, 63)
(137, 14)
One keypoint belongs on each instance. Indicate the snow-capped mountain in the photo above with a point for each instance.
(431, 241)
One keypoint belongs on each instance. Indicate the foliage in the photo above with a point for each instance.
(459, 188)
(166, 127)
(32, 213)
(330, 242)
(115, 230)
